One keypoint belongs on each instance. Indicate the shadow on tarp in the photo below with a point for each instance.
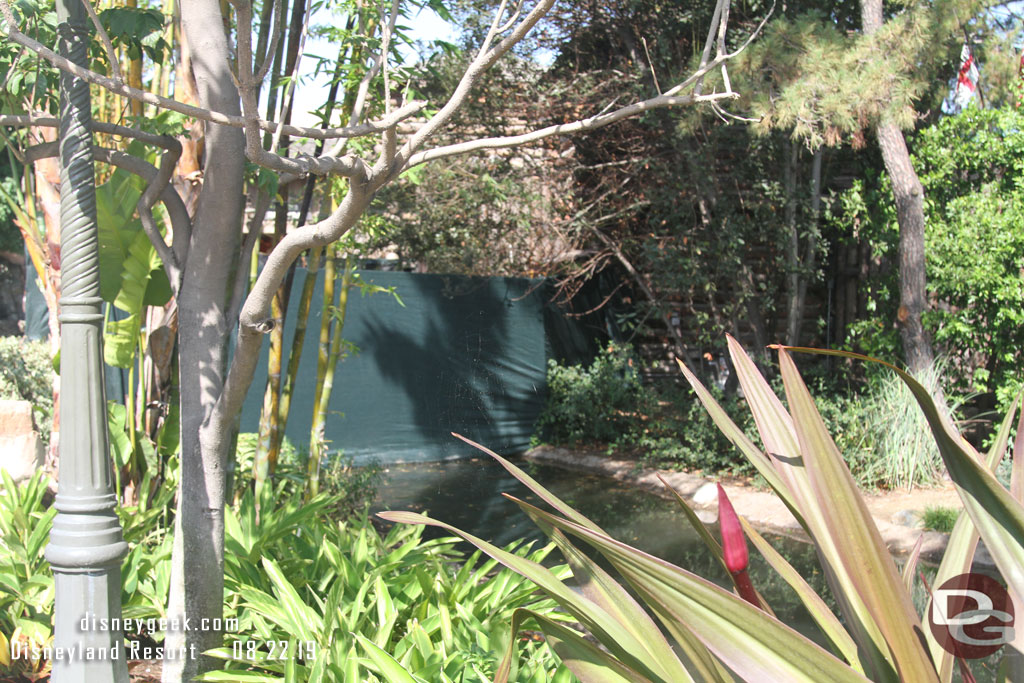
(464, 355)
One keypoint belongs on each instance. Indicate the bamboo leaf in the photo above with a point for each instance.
(300, 616)
(393, 671)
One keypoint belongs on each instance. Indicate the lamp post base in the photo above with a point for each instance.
(91, 651)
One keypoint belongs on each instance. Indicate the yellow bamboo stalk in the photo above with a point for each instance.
(269, 414)
(318, 442)
(298, 339)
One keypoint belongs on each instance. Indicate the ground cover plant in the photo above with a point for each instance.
(939, 518)
(319, 593)
(877, 633)
(357, 604)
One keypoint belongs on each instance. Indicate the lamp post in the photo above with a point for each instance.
(86, 545)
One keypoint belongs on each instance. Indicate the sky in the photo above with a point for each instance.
(425, 26)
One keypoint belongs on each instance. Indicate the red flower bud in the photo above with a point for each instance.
(734, 543)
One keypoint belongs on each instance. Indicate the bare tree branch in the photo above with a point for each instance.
(390, 138)
(158, 187)
(252, 238)
(483, 61)
(253, 320)
(43, 150)
(175, 207)
(275, 36)
(156, 179)
(566, 128)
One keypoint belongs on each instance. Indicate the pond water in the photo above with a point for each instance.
(467, 495)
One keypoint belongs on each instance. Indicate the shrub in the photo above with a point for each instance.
(26, 596)
(679, 433)
(884, 436)
(970, 166)
(353, 487)
(26, 374)
(597, 403)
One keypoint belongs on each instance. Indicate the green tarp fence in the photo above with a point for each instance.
(465, 355)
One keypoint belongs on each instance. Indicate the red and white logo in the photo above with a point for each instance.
(971, 616)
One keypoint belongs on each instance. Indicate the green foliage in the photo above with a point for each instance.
(10, 236)
(137, 29)
(939, 518)
(131, 274)
(26, 583)
(358, 605)
(594, 403)
(970, 165)
(879, 430)
(352, 488)
(679, 434)
(883, 435)
(297, 576)
(26, 374)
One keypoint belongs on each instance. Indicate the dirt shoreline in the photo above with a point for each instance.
(764, 509)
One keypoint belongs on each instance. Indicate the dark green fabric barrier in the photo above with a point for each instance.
(463, 355)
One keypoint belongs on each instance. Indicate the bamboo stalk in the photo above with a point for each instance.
(294, 357)
(269, 414)
(317, 441)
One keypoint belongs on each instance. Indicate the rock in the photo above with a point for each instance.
(907, 518)
(706, 495)
(21, 448)
(707, 516)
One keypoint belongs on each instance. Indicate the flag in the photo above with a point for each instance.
(967, 78)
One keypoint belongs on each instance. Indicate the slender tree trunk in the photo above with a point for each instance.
(197, 589)
(793, 312)
(811, 247)
(909, 196)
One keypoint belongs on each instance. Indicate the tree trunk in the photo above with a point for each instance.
(909, 196)
(793, 312)
(811, 247)
(197, 589)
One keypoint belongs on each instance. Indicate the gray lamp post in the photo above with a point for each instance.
(86, 545)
